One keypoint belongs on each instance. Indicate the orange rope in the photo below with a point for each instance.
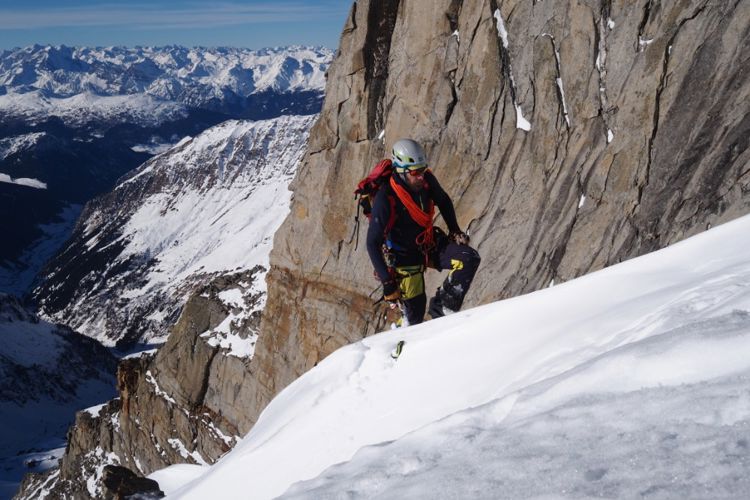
(424, 219)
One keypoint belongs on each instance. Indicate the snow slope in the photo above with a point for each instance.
(632, 381)
(208, 206)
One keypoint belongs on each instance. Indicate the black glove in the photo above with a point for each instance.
(459, 237)
(391, 290)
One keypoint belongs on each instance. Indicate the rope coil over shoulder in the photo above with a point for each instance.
(425, 239)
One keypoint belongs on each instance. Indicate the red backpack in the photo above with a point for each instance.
(370, 185)
(366, 191)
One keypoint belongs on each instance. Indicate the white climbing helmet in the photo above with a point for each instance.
(407, 153)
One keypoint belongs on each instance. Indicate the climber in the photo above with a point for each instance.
(402, 241)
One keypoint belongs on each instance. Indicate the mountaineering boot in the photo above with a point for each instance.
(436, 306)
(445, 301)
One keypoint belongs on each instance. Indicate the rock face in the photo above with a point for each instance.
(184, 404)
(206, 207)
(571, 135)
(121, 482)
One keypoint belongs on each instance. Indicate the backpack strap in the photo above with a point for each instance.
(356, 229)
(365, 193)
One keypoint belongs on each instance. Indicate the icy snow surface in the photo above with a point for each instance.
(628, 382)
(23, 181)
(94, 411)
(229, 225)
(180, 447)
(522, 122)
(173, 477)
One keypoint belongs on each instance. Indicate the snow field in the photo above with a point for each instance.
(239, 209)
(81, 108)
(23, 181)
(632, 381)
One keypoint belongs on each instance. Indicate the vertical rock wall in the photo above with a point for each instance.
(637, 137)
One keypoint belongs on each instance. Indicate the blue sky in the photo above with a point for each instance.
(236, 23)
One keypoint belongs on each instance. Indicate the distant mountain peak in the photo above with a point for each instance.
(66, 71)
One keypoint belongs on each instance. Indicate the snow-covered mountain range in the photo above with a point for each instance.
(146, 84)
(208, 206)
(77, 119)
(628, 382)
(47, 372)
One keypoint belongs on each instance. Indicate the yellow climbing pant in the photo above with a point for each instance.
(411, 281)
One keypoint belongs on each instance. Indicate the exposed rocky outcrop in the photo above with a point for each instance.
(122, 483)
(571, 135)
(183, 404)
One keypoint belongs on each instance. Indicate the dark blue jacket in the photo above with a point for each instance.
(403, 234)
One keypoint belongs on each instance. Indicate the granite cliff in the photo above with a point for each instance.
(571, 135)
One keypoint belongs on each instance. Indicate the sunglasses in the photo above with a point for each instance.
(414, 170)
